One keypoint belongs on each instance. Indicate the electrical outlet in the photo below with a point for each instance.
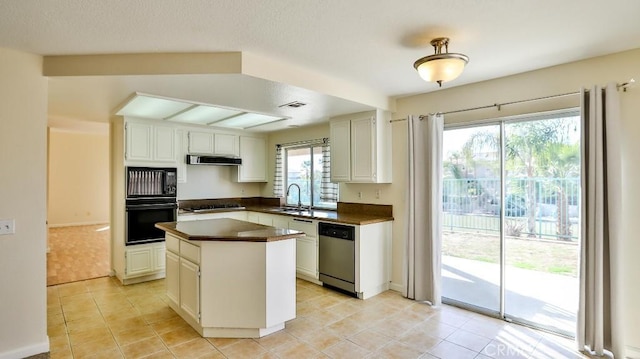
(377, 194)
(359, 195)
(242, 190)
(7, 226)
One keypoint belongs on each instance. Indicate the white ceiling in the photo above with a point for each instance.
(369, 43)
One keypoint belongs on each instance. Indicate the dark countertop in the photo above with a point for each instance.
(324, 215)
(226, 229)
(347, 213)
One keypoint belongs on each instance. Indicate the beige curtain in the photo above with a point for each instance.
(598, 314)
(424, 208)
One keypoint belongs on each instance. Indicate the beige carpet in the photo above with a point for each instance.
(78, 253)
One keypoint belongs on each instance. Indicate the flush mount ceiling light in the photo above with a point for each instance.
(441, 66)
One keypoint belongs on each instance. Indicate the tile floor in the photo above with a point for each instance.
(100, 318)
(77, 253)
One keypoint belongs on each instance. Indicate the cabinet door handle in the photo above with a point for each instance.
(302, 220)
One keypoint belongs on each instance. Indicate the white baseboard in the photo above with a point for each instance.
(27, 351)
(396, 287)
(59, 225)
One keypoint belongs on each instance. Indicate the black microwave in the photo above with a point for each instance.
(151, 182)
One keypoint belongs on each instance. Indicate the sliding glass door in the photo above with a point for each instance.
(471, 205)
(510, 222)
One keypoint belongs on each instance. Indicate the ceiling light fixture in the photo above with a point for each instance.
(441, 67)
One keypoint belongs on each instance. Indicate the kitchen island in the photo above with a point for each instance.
(229, 278)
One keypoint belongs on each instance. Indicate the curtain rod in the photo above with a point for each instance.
(623, 85)
(306, 142)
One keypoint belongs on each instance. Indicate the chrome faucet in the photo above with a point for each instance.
(299, 200)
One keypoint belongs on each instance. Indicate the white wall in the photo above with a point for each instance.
(78, 178)
(555, 80)
(215, 182)
(23, 160)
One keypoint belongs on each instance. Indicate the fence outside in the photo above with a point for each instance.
(546, 208)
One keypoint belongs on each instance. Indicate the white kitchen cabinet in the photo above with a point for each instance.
(265, 219)
(340, 135)
(172, 278)
(146, 142)
(239, 215)
(363, 151)
(139, 261)
(373, 258)
(138, 141)
(190, 289)
(159, 263)
(144, 259)
(231, 289)
(225, 144)
(164, 141)
(253, 151)
(280, 221)
(306, 248)
(183, 275)
(253, 217)
(182, 148)
(201, 142)
(306, 257)
(366, 138)
(212, 143)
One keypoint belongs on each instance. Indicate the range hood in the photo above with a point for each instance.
(213, 160)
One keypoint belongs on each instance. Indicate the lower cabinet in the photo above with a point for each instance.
(307, 257)
(144, 259)
(172, 279)
(183, 276)
(306, 248)
(239, 215)
(190, 289)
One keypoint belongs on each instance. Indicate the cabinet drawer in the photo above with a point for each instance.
(310, 229)
(173, 244)
(190, 252)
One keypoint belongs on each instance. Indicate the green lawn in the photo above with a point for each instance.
(545, 256)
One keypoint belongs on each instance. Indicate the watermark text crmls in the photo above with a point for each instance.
(497, 350)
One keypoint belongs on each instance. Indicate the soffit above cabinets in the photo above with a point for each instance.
(182, 111)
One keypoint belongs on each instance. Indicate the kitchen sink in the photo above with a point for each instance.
(303, 212)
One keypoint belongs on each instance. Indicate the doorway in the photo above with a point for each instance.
(78, 242)
(511, 195)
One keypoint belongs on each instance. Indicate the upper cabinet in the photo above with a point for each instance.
(181, 154)
(340, 137)
(253, 151)
(224, 144)
(201, 142)
(146, 142)
(366, 138)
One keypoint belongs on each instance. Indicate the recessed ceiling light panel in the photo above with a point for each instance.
(247, 120)
(152, 107)
(204, 115)
(160, 108)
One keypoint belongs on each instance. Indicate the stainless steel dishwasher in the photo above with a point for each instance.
(337, 256)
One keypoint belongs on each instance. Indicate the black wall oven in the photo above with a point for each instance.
(151, 198)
